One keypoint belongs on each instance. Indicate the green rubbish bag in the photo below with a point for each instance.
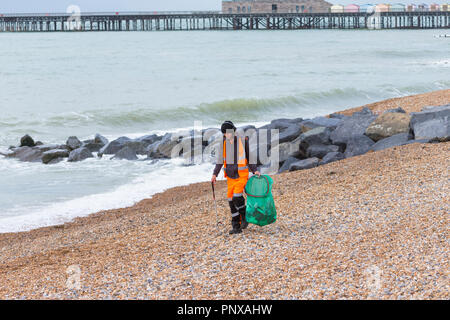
(260, 204)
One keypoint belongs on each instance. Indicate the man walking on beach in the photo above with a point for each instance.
(235, 154)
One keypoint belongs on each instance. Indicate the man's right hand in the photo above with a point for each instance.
(213, 179)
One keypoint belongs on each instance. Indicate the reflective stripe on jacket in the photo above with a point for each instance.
(232, 169)
(235, 170)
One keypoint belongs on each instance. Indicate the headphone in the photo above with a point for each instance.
(227, 125)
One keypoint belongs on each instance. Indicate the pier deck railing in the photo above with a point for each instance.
(212, 20)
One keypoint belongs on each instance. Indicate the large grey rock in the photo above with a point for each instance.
(48, 156)
(338, 116)
(96, 144)
(80, 154)
(27, 141)
(281, 123)
(388, 124)
(332, 157)
(353, 126)
(192, 140)
(244, 130)
(212, 140)
(364, 112)
(287, 163)
(164, 148)
(194, 155)
(393, 141)
(396, 110)
(99, 139)
(212, 135)
(192, 149)
(439, 140)
(431, 122)
(286, 133)
(64, 147)
(26, 154)
(260, 151)
(92, 146)
(319, 135)
(304, 164)
(141, 145)
(46, 147)
(358, 145)
(144, 142)
(127, 153)
(289, 129)
(443, 108)
(320, 150)
(417, 141)
(331, 123)
(56, 160)
(316, 136)
(114, 146)
(73, 143)
(290, 133)
(286, 122)
(285, 150)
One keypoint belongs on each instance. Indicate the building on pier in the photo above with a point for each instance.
(337, 8)
(275, 6)
(382, 7)
(397, 7)
(423, 7)
(434, 7)
(351, 8)
(366, 7)
(411, 7)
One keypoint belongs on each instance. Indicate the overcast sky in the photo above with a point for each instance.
(42, 6)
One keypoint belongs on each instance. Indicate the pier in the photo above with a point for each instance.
(172, 21)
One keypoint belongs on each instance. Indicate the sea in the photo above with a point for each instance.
(56, 85)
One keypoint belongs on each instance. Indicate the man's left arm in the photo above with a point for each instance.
(252, 166)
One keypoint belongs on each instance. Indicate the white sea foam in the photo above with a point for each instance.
(437, 63)
(158, 180)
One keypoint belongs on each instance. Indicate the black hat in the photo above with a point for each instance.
(227, 125)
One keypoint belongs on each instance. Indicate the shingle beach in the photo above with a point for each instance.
(373, 226)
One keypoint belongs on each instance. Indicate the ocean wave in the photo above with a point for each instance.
(25, 218)
(438, 63)
(386, 53)
(246, 109)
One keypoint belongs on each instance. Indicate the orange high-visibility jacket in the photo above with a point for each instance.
(241, 154)
(241, 159)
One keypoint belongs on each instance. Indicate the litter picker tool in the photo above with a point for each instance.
(215, 207)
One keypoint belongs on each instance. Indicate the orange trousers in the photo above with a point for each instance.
(236, 187)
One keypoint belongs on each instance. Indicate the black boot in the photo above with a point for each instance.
(244, 223)
(235, 231)
(239, 203)
(236, 223)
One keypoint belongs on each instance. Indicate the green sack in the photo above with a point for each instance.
(260, 205)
